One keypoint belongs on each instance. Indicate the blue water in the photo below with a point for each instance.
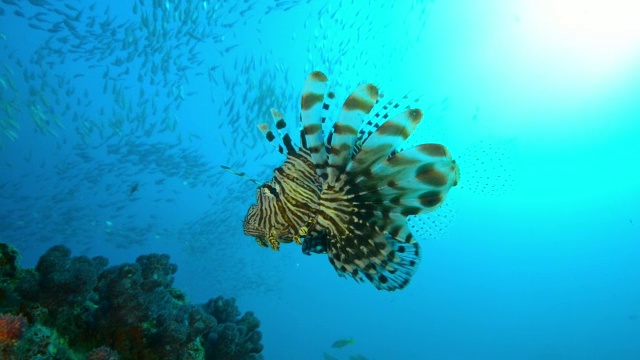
(534, 255)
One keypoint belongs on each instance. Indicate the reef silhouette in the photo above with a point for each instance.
(76, 307)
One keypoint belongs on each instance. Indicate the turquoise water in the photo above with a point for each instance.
(115, 120)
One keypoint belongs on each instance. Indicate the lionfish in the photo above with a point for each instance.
(349, 195)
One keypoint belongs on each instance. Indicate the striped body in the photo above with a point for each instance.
(286, 202)
(349, 195)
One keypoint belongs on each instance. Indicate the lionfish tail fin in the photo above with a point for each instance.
(345, 131)
(385, 262)
(312, 105)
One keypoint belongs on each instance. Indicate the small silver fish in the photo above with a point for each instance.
(358, 357)
(327, 356)
(339, 344)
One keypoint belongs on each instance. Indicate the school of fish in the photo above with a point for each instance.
(106, 92)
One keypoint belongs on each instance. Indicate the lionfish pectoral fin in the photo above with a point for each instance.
(385, 262)
(382, 112)
(385, 140)
(412, 182)
(396, 227)
(316, 244)
(241, 174)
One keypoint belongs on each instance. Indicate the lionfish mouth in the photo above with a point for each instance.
(358, 185)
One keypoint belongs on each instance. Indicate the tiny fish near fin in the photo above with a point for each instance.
(241, 174)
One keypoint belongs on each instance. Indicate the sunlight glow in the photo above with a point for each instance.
(599, 36)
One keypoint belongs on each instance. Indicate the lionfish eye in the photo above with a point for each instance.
(270, 189)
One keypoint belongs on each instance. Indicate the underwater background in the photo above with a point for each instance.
(116, 116)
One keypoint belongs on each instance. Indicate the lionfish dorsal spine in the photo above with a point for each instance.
(311, 115)
(345, 130)
(274, 140)
(281, 127)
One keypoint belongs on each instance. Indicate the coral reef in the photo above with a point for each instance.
(11, 328)
(75, 307)
(235, 338)
(40, 342)
(102, 353)
(8, 261)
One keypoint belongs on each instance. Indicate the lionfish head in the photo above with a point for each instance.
(261, 222)
(251, 226)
